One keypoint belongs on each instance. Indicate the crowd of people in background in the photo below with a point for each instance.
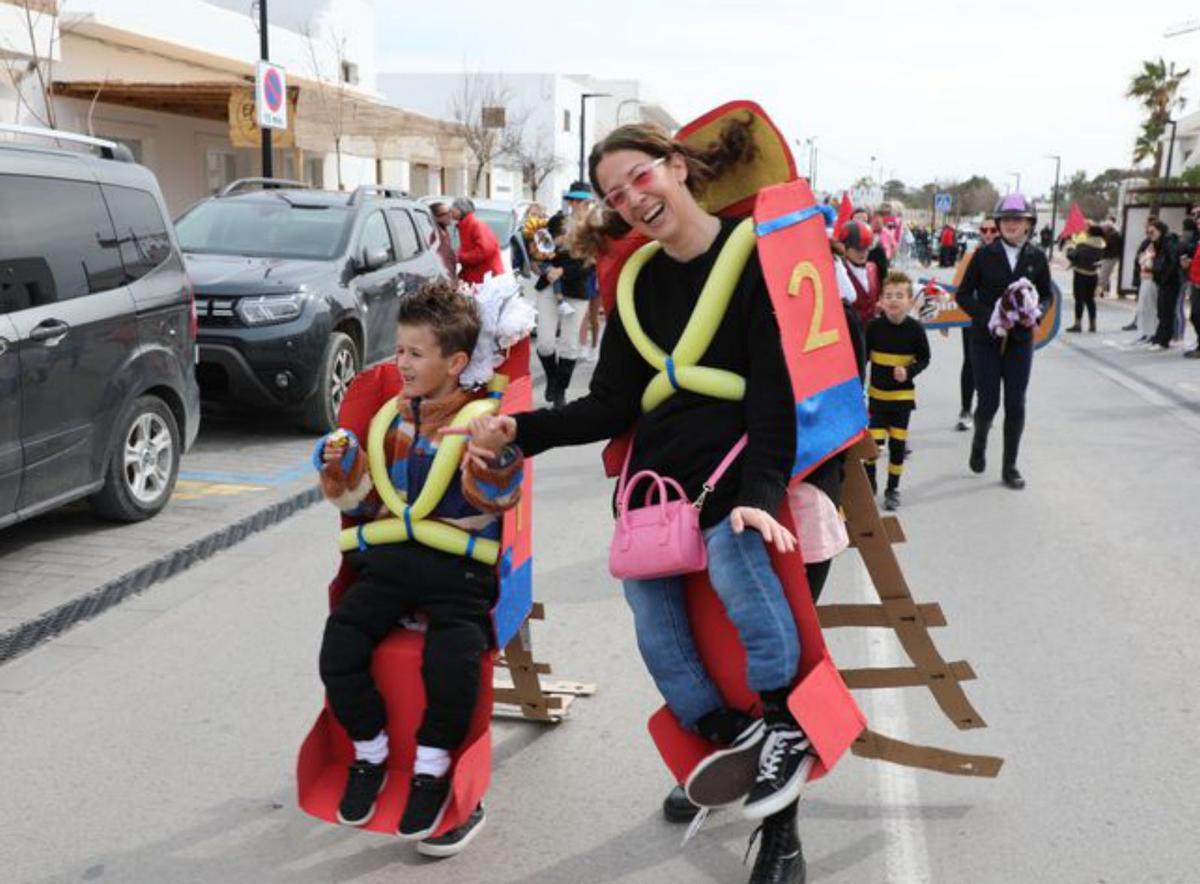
(1166, 275)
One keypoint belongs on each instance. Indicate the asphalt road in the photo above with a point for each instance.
(157, 743)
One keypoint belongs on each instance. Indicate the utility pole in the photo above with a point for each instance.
(265, 54)
(1054, 201)
(583, 130)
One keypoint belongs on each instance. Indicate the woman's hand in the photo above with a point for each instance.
(764, 523)
(489, 434)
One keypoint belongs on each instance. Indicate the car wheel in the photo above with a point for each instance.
(338, 368)
(141, 471)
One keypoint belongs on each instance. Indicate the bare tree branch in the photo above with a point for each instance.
(487, 121)
(331, 91)
(39, 65)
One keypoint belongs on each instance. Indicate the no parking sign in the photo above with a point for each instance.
(270, 96)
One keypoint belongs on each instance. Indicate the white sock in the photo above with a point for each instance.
(374, 750)
(431, 761)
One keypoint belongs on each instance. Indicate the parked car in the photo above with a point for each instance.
(98, 393)
(298, 289)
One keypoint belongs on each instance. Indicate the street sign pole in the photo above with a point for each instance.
(264, 50)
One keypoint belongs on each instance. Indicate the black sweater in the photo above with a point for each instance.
(890, 344)
(687, 435)
(987, 277)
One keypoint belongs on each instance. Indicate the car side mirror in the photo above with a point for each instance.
(371, 259)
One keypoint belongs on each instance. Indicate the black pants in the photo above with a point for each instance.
(1084, 290)
(889, 421)
(1000, 362)
(455, 593)
(966, 377)
(1168, 300)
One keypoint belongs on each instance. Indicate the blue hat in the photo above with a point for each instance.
(579, 190)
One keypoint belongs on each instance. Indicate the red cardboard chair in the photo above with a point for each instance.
(321, 768)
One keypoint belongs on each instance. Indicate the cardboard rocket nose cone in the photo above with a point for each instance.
(732, 193)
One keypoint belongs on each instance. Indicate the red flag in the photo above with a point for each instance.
(845, 210)
(1076, 223)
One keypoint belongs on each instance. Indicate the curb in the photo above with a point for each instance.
(50, 624)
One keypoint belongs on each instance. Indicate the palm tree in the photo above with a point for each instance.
(1156, 88)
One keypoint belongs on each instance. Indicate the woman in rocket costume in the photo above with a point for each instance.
(726, 383)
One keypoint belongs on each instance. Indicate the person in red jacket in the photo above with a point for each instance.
(478, 250)
(1191, 269)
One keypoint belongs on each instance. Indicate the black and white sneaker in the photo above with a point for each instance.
(726, 775)
(456, 840)
(365, 783)
(965, 422)
(427, 801)
(782, 771)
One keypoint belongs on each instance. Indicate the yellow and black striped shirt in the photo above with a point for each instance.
(891, 344)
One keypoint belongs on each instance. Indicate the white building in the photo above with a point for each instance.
(169, 81)
(552, 107)
(1187, 144)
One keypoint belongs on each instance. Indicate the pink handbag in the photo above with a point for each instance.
(662, 538)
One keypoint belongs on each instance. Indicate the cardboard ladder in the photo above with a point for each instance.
(523, 694)
(873, 535)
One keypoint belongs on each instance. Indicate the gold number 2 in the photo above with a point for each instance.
(817, 338)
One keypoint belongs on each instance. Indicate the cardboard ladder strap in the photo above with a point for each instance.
(873, 536)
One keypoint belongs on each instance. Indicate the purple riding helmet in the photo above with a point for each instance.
(1015, 205)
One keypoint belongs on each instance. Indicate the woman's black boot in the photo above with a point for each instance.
(550, 367)
(1013, 427)
(566, 368)
(978, 461)
(780, 859)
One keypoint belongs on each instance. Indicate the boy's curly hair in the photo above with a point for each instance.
(451, 316)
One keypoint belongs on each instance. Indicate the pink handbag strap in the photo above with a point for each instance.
(709, 484)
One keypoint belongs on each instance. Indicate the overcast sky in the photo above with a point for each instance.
(932, 89)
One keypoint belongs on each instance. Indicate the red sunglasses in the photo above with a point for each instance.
(640, 177)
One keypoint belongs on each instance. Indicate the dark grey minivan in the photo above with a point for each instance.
(98, 393)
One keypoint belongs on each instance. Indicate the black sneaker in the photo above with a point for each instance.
(677, 809)
(964, 422)
(782, 771)
(427, 801)
(365, 783)
(780, 859)
(891, 499)
(456, 840)
(725, 776)
(1192, 354)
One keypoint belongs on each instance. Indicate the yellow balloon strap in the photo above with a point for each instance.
(414, 522)
(679, 371)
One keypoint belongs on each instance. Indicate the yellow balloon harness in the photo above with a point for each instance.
(412, 521)
(679, 369)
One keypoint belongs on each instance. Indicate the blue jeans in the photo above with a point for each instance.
(740, 571)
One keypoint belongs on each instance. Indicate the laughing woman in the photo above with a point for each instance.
(649, 184)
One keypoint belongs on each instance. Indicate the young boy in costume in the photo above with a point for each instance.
(898, 351)
(437, 333)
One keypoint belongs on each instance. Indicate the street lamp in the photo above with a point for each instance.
(811, 143)
(583, 129)
(1170, 151)
(1054, 200)
(1017, 175)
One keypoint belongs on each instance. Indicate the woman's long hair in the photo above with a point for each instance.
(733, 147)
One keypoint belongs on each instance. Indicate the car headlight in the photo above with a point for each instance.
(269, 309)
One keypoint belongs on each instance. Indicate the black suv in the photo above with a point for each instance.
(98, 392)
(297, 289)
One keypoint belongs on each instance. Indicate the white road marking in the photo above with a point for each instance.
(906, 856)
